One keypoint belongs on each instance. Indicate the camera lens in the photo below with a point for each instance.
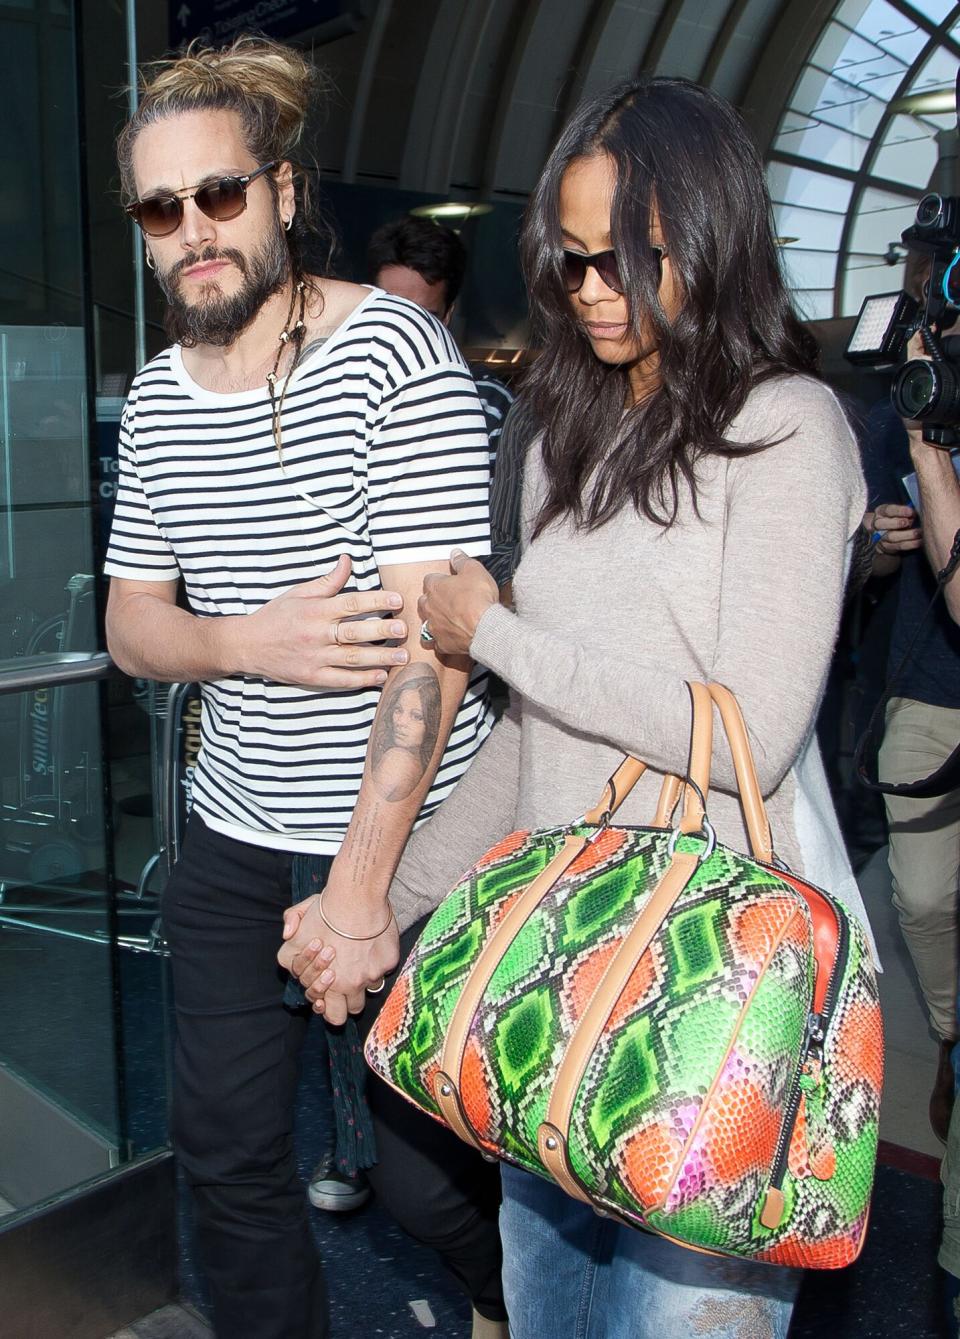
(929, 210)
(915, 389)
(928, 391)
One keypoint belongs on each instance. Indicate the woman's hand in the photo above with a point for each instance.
(452, 606)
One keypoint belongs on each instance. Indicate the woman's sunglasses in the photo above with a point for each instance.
(575, 266)
(220, 200)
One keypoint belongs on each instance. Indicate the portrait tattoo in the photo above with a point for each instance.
(406, 731)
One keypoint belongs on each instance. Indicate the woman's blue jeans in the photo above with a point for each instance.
(570, 1274)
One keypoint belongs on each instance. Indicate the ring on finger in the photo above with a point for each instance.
(336, 632)
(426, 636)
(376, 989)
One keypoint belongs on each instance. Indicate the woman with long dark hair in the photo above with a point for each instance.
(684, 431)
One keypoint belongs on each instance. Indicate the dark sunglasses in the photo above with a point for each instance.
(225, 198)
(575, 266)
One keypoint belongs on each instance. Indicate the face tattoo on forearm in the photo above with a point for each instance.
(406, 731)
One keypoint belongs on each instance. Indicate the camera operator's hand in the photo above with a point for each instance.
(939, 498)
(894, 529)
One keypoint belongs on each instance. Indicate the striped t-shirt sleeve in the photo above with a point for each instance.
(428, 473)
(138, 551)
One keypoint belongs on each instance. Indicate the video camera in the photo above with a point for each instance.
(927, 389)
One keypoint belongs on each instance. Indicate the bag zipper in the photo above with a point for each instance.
(811, 1061)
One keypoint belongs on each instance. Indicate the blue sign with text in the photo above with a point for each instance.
(217, 21)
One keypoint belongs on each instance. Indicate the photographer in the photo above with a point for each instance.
(922, 719)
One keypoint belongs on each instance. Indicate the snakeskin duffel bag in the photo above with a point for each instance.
(684, 1037)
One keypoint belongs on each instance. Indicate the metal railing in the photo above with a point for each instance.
(54, 669)
(58, 669)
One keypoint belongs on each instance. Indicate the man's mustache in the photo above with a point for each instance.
(204, 257)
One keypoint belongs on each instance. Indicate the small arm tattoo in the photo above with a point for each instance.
(406, 731)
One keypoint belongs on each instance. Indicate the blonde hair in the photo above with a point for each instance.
(272, 89)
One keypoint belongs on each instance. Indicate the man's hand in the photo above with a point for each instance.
(452, 606)
(313, 635)
(316, 637)
(898, 529)
(310, 945)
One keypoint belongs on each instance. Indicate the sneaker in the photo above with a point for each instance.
(333, 1191)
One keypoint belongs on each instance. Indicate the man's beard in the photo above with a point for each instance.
(218, 318)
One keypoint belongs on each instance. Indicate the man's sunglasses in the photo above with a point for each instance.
(220, 200)
(575, 266)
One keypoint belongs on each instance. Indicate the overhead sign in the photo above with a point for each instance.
(217, 21)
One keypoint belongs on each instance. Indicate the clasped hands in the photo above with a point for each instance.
(311, 947)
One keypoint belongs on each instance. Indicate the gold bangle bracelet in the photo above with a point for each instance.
(343, 933)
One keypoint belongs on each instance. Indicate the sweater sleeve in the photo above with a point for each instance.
(479, 811)
(790, 511)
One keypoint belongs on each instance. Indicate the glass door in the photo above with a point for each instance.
(82, 976)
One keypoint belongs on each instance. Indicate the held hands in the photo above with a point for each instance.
(310, 947)
(311, 636)
(452, 606)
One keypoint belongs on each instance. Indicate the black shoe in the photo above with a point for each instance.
(335, 1192)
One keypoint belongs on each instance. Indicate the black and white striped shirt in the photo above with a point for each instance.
(384, 458)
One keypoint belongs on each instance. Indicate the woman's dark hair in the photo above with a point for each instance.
(682, 152)
(435, 252)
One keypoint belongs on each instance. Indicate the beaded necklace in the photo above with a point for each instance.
(290, 333)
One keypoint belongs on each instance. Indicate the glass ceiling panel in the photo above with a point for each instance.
(879, 22)
(838, 117)
(809, 269)
(804, 186)
(821, 143)
(936, 10)
(863, 280)
(881, 218)
(815, 229)
(939, 71)
(908, 153)
(837, 103)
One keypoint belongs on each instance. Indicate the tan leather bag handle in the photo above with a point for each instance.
(629, 772)
(754, 810)
(632, 769)
(619, 787)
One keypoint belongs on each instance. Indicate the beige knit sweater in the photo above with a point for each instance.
(611, 623)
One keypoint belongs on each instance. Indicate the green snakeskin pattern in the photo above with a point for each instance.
(681, 1106)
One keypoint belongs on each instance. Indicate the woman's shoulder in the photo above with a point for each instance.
(789, 400)
(801, 417)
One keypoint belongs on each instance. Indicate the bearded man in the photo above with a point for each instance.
(303, 454)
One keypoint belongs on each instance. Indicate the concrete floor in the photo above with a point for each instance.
(172, 1322)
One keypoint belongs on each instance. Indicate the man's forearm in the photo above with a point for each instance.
(151, 638)
(396, 778)
(940, 501)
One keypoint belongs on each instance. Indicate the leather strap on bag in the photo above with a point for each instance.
(446, 1086)
(754, 811)
(554, 1132)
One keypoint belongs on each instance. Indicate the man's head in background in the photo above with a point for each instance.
(420, 260)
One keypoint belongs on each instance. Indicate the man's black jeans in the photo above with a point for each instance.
(236, 1070)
